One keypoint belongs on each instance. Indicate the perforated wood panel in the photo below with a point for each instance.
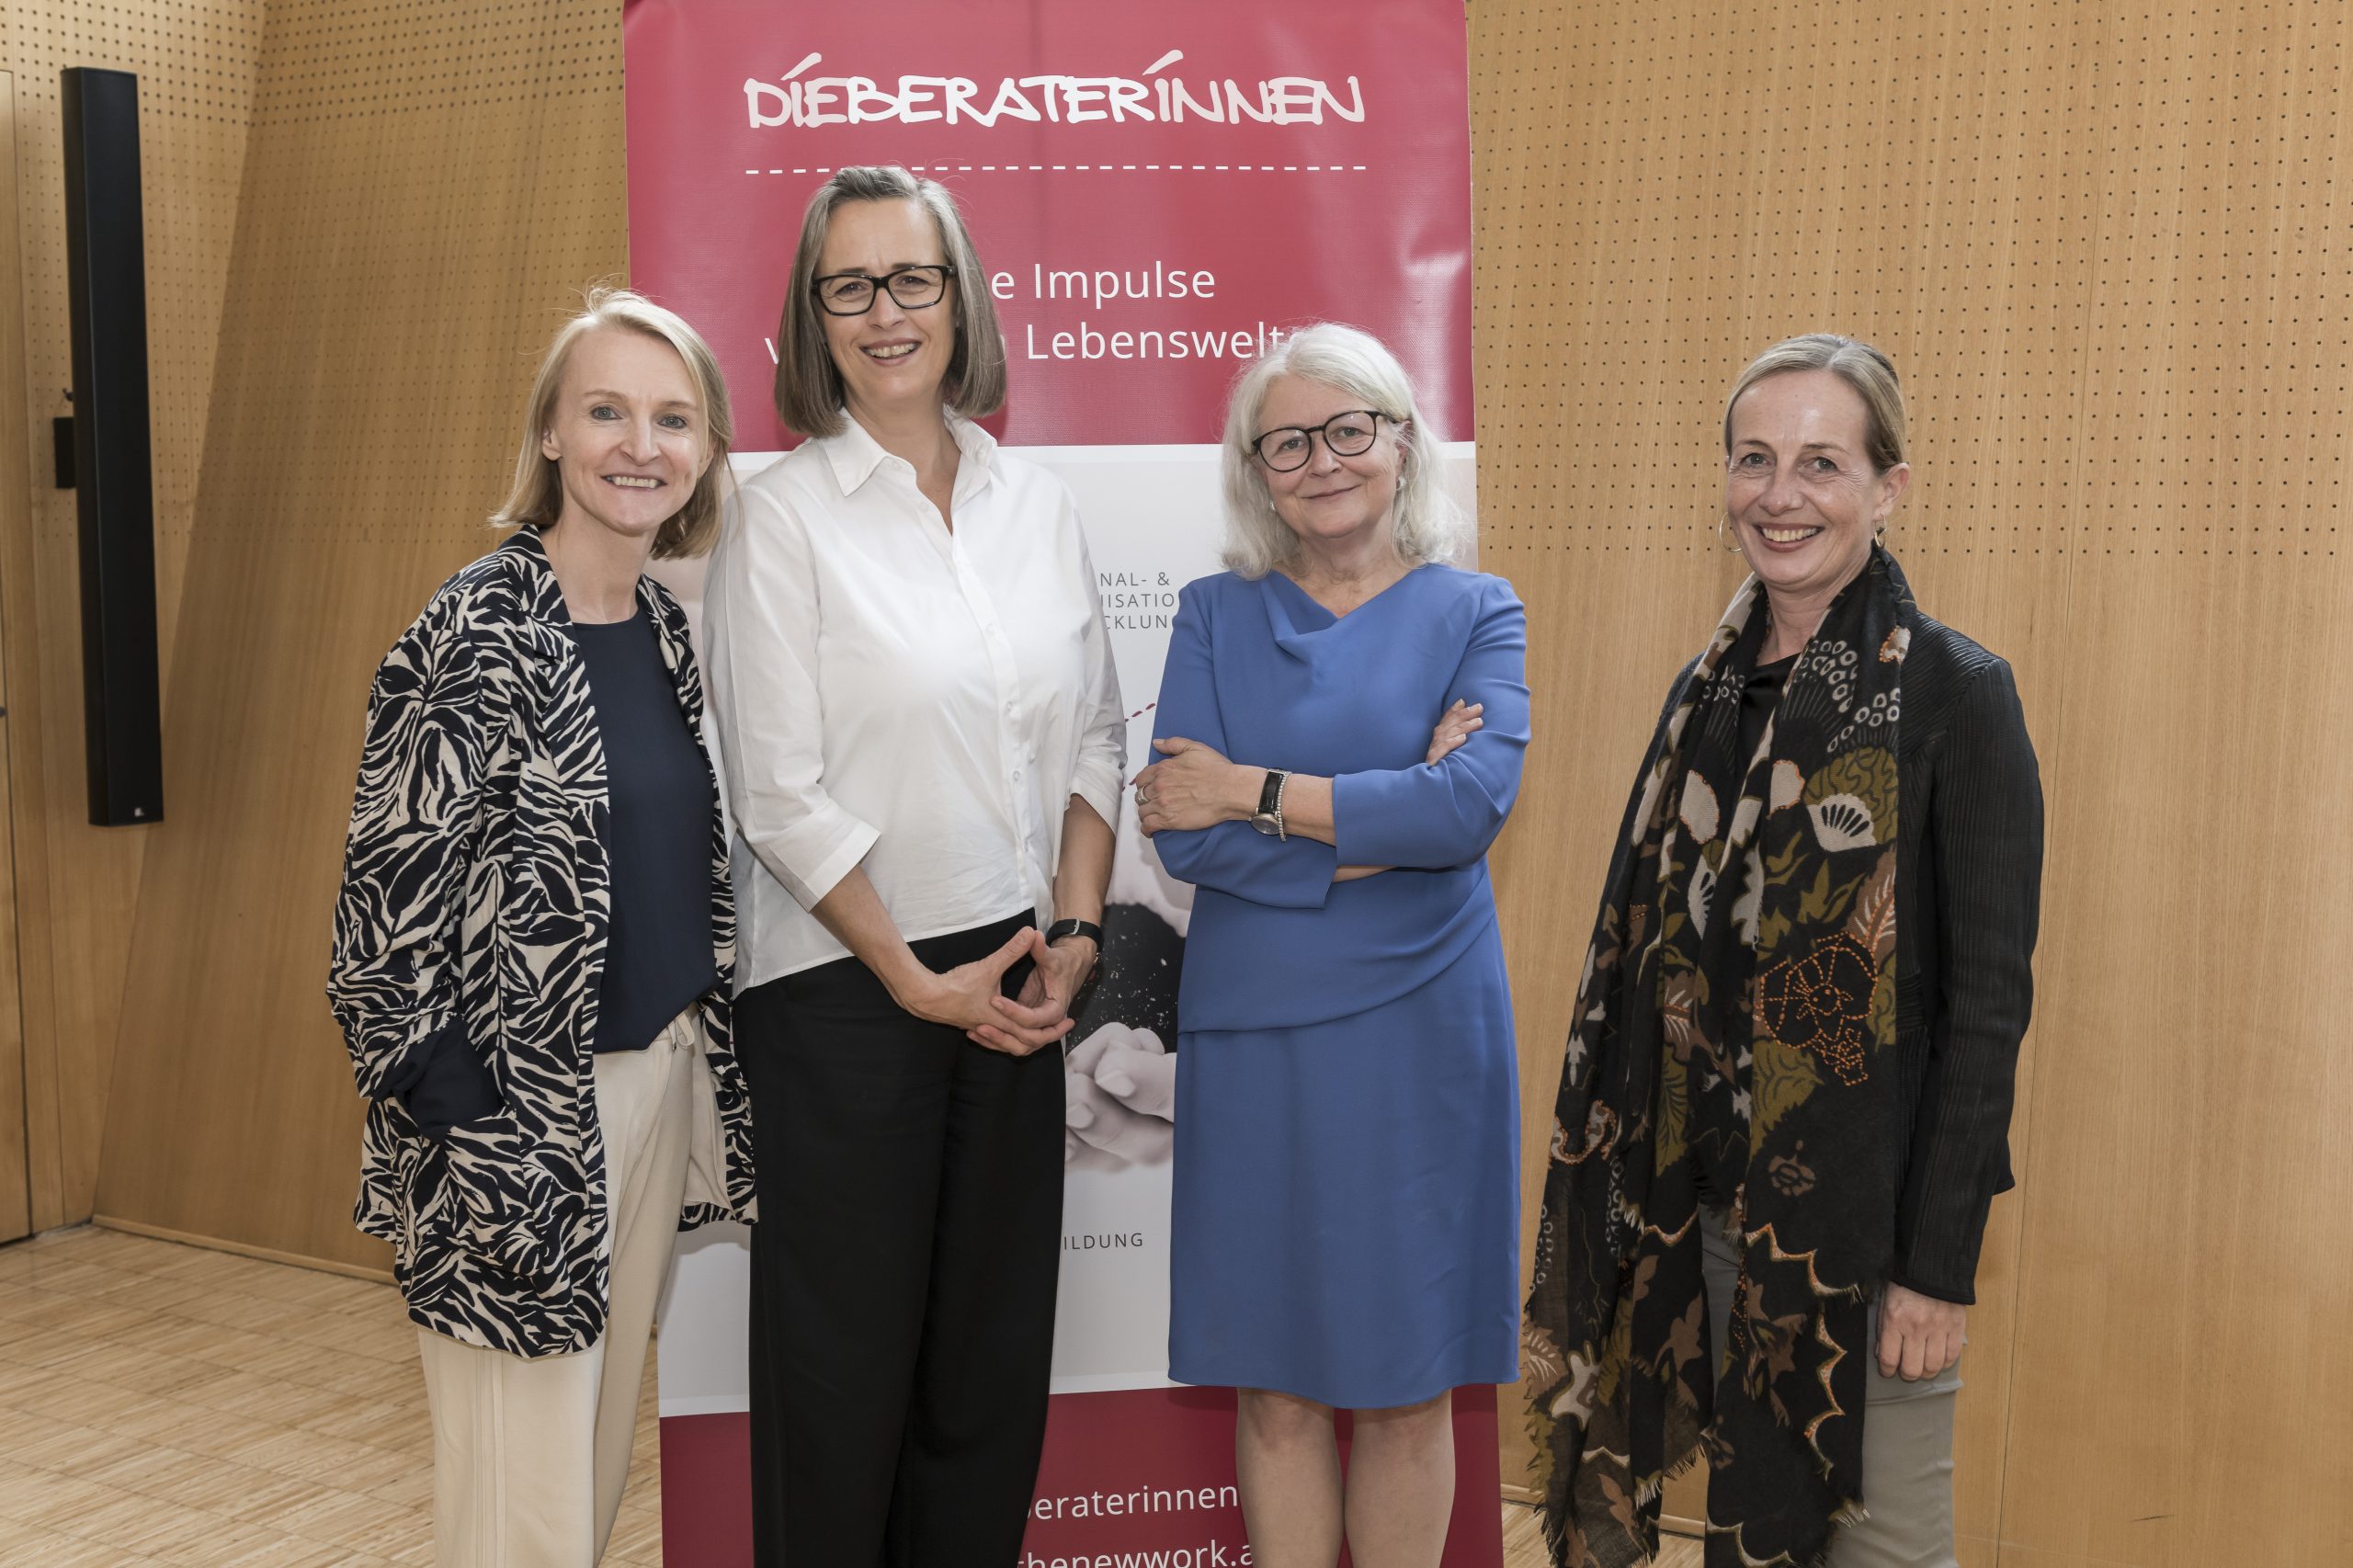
(195, 63)
(16, 499)
(2111, 249)
(76, 884)
(429, 187)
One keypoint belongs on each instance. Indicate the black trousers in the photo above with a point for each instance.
(903, 1272)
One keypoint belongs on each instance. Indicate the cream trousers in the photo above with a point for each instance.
(530, 1456)
(1907, 1441)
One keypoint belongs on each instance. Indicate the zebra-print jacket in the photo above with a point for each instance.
(476, 884)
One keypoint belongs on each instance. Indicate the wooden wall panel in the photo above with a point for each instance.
(2106, 246)
(16, 503)
(2186, 1241)
(77, 884)
(2178, 1358)
(430, 185)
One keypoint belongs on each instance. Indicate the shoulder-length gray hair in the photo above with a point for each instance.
(808, 387)
(1427, 524)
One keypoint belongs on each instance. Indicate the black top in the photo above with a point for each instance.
(657, 953)
(1757, 700)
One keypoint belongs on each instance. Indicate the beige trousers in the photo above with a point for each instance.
(530, 1456)
(1907, 1441)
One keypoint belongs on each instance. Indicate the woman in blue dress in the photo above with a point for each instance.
(1347, 1178)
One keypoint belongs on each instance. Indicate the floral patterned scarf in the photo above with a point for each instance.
(1741, 976)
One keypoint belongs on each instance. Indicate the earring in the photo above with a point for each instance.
(1725, 541)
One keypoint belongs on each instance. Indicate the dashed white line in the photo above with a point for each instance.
(1105, 168)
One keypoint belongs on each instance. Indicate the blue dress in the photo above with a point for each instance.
(1347, 1224)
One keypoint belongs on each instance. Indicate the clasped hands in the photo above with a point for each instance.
(1193, 786)
(971, 997)
(1119, 1100)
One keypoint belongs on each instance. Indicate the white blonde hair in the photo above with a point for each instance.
(536, 498)
(1426, 523)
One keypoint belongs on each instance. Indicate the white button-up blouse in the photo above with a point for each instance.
(894, 694)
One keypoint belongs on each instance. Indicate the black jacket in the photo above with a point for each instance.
(1969, 888)
(1968, 893)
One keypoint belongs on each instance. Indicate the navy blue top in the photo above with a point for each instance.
(658, 953)
(1270, 679)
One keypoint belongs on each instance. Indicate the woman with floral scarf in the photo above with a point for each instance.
(1786, 1102)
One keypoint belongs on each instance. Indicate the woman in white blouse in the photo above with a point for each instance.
(923, 748)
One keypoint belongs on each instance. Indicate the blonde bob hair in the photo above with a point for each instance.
(808, 385)
(1426, 523)
(1867, 369)
(537, 498)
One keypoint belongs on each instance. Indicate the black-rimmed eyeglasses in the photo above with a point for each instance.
(1348, 435)
(854, 293)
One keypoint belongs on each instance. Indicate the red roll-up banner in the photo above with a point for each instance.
(1156, 193)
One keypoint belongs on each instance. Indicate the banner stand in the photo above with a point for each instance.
(1157, 196)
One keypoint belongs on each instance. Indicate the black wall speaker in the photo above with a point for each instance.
(121, 710)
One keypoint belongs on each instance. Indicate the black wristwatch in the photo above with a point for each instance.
(1085, 993)
(1268, 818)
(1086, 928)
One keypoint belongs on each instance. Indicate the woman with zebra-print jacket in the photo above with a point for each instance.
(534, 945)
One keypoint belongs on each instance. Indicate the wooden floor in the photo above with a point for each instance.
(167, 1404)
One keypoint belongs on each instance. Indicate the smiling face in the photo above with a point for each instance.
(1799, 494)
(1330, 500)
(892, 358)
(626, 434)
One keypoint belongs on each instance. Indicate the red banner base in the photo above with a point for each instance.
(1141, 1478)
